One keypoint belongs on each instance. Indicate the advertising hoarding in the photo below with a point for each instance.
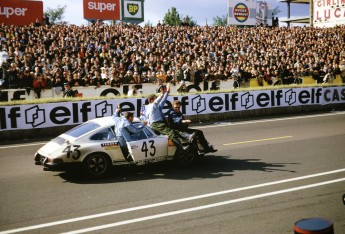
(249, 13)
(20, 13)
(102, 9)
(133, 10)
(328, 13)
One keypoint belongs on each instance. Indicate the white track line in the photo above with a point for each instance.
(169, 202)
(269, 120)
(97, 228)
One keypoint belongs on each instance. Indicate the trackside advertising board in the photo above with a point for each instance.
(102, 9)
(328, 13)
(133, 10)
(249, 13)
(71, 113)
(20, 12)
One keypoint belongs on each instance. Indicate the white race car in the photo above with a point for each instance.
(93, 147)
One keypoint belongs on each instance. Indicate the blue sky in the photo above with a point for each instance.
(200, 10)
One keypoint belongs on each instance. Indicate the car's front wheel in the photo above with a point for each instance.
(97, 165)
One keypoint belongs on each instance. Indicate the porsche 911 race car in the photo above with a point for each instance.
(93, 147)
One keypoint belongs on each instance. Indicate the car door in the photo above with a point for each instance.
(146, 145)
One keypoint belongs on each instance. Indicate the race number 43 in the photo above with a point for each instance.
(149, 149)
(72, 150)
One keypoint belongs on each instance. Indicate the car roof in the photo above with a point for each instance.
(104, 121)
(109, 121)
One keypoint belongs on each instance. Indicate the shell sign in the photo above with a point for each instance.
(19, 13)
(241, 12)
(102, 9)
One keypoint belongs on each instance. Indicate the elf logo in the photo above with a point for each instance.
(132, 8)
(103, 109)
(247, 100)
(35, 116)
(290, 97)
(198, 104)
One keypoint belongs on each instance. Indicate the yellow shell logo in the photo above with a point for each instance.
(241, 12)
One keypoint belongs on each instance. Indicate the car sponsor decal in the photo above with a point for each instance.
(110, 145)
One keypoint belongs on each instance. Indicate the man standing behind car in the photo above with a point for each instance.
(125, 124)
(179, 123)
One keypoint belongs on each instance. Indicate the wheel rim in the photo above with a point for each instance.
(185, 157)
(97, 165)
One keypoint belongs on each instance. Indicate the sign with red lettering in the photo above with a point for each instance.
(329, 13)
(102, 9)
(19, 13)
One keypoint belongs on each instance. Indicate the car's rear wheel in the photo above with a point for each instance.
(186, 158)
(97, 165)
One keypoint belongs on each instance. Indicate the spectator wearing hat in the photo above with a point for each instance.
(69, 92)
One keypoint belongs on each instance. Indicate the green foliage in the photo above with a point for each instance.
(220, 21)
(172, 18)
(55, 15)
(188, 20)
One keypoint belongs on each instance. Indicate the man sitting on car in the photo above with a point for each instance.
(125, 124)
(154, 115)
(179, 123)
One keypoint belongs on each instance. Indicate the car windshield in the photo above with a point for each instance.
(82, 129)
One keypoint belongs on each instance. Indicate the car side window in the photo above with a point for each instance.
(105, 134)
(148, 133)
(135, 137)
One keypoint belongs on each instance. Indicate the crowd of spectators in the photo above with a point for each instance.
(42, 57)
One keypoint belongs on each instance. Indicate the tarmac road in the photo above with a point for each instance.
(267, 175)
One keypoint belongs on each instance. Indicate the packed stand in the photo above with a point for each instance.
(39, 57)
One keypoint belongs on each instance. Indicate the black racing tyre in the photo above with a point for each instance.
(97, 165)
(186, 158)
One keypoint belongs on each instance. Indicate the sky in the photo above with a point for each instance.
(201, 11)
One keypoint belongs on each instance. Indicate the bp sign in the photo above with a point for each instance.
(132, 8)
(132, 11)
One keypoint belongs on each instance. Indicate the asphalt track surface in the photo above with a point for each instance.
(267, 174)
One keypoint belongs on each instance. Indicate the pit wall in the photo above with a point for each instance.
(50, 119)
